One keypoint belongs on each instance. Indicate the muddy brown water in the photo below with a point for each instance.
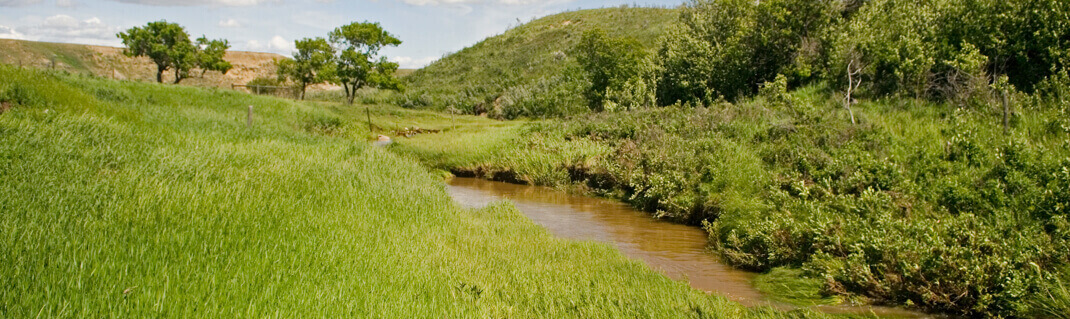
(678, 251)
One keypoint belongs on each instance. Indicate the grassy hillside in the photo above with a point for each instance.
(526, 66)
(920, 203)
(109, 62)
(125, 199)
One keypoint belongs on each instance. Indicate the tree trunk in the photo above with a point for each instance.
(356, 86)
(303, 86)
(345, 86)
(178, 75)
(159, 73)
(850, 87)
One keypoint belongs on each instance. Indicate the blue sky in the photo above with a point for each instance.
(429, 28)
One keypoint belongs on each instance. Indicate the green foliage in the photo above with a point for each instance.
(263, 85)
(210, 55)
(356, 63)
(617, 70)
(727, 48)
(916, 205)
(312, 63)
(531, 69)
(794, 286)
(1057, 289)
(167, 44)
(947, 49)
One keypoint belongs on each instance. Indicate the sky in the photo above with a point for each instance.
(429, 29)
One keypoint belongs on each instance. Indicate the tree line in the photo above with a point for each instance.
(348, 57)
(943, 50)
(169, 46)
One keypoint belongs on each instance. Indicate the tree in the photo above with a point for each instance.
(185, 56)
(358, 64)
(728, 48)
(314, 62)
(610, 64)
(210, 55)
(167, 44)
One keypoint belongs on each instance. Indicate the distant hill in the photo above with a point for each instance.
(526, 58)
(110, 62)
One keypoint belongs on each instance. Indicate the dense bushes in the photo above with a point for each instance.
(938, 49)
(727, 48)
(917, 204)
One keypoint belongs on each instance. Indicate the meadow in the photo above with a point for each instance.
(124, 199)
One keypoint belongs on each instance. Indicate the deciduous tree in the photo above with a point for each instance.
(169, 46)
(358, 63)
(313, 62)
(164, 42)
(210, 55)
(610, 64)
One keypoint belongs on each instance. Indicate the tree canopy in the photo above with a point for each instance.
(210, 57)
(357, 62)
(313, 63)
(612, 65)
(169, 47)
(350, 57)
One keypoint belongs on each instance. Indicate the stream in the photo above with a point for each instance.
(676, 250)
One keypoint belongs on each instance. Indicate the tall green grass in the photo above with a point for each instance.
(122, 199)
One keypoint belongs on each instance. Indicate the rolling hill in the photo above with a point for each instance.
(528, 61)
(110, 62)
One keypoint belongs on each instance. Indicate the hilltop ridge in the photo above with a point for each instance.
(110, 62)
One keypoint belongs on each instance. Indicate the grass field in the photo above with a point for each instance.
(122, 199)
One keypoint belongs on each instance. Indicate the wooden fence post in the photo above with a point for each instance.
(249, 118)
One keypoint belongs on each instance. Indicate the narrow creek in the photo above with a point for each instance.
(678, 251)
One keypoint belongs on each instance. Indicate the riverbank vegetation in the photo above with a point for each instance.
(136, 199)
(919, 204)
(910, 153)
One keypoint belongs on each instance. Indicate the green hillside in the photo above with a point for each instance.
(527, 63)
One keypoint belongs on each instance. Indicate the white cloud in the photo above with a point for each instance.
(18, 3)
(64, 28)
(277, 44)
(412, 63)
(10, 33)
(224, 3)
(66, 3)
(253, 45)
(280, 45)
(230, 23)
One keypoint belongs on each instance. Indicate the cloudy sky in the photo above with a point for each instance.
(429, 28)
